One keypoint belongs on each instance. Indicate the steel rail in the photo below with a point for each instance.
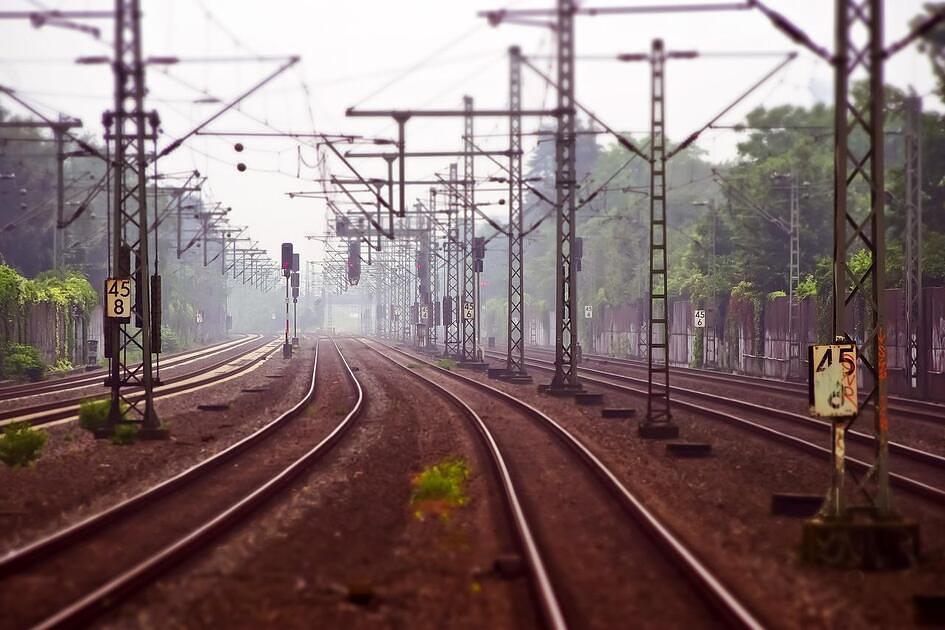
(64, 409)
(703, 580)
(917, 409)
(145, 572)
(932, 493)
(909, 452)
(541, 582)
(18, 558)
(74, 381)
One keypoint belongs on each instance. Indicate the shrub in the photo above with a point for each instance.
(22, 360)
(93, 413)
(125, 434)
(20, 444)
(170, 342)
(806, 287)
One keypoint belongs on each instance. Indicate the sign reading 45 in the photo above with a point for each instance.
(118, 299)
(832, 380)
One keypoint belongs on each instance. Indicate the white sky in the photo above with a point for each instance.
(351, 50)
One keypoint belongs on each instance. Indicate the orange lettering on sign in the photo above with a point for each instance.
(881, 353)
(883, 419)
(849, 378)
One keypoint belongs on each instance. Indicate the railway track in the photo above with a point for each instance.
(905, 408)
(95, 377)
(124, 548)
(236, 361)
(556, 491)
(919, 472)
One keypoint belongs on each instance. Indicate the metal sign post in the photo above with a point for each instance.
(868, 534)
(130, 256)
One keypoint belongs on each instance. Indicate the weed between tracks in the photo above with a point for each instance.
(440, 488)
(93, 413)
(446, 364)
(20, 444)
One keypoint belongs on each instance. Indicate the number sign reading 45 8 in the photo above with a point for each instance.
(118, 299)
(832, 378)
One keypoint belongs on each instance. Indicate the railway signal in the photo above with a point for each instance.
(354, 261)
(288, 267)
(294, 282)
(287, 259)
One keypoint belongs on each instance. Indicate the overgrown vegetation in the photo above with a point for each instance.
(440, 488)
(93, 413)
(68, 292)
(170, 341)
(21, 361)
(27, 226)
(62, 366)
(20, 444)
(125, 434)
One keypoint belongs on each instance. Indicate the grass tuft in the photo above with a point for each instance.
(440, 488)
(20, 444)
(446, 364)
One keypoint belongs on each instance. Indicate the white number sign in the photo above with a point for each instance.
(832, 378)
(118, 298)
(588, 312)
(469, 310)
(424, 313)
(699, 318)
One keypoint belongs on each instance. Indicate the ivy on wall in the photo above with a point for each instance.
(68, 291)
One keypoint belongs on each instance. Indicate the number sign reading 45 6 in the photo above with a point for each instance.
(832, 378)
(118, 299)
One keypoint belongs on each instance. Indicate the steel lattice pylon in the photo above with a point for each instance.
(451, 337)
(566, 376)
(396, 268)
(916, 334)
(391, 293)
(794, 279)
(433, 262)
(127, 137)
(469, 326)
(861, 227)
(657, 402)
(406, 288)
(422, 281)
(515, 362)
